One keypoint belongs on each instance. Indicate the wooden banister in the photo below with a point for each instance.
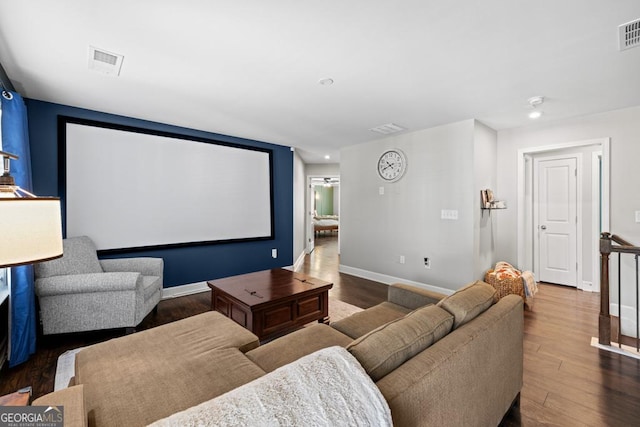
(606, 248)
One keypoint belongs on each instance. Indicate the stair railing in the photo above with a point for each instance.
(620, 247)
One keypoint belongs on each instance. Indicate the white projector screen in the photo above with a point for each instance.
(128, 188)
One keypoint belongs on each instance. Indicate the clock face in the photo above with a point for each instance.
(392, 165)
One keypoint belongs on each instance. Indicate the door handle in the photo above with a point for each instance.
(543, 227)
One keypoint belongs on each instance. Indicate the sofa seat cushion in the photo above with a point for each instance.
(139, 378)
(295, 345)
(384, 349)
(363, 322)
(325, 388)
(468, 302)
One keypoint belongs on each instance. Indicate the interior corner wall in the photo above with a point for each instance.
(621, 126)
(485, 145)
(187, 264)
(376, 229)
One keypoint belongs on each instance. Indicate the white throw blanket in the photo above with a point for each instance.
(326, 388)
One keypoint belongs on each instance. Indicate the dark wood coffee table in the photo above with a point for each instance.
(271, 302)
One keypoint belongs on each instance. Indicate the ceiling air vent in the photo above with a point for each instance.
(105, 62)
(629, 35)
(387, 129)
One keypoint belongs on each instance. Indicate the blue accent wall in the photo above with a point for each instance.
(183, 265)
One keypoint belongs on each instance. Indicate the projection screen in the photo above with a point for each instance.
(129, 188)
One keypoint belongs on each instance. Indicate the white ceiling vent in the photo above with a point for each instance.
(629, 35)
(387, 129)
(105, 62)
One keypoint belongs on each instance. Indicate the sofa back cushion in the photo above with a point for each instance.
(467, 303)
(79, 257)
(389, 346)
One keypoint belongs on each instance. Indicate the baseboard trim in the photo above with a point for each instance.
(299, 261)
(184, 290)
(388, 280)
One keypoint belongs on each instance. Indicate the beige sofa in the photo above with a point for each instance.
(437, 360)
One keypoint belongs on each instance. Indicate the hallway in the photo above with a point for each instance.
(324, 263)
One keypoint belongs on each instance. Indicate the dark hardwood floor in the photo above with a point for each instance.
(566, 381)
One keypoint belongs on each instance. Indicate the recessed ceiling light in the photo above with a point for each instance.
(326, 82)
(534, 102)
(535, 114)
(327, 157)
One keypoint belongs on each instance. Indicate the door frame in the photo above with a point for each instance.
(525, 199)
(309, 233)
(536, 214)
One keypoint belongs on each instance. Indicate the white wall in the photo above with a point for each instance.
(299, 209)
(485, 222)
(622, 126)
(323, 169)
(406, 220)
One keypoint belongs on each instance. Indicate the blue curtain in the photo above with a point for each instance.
(15, 140)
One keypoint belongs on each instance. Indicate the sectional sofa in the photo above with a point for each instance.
(419, 358)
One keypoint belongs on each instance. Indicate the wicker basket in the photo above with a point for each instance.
(504, 287)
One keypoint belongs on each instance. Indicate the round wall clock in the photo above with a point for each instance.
(392, 165)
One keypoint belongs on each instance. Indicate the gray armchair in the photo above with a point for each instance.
(78, 292)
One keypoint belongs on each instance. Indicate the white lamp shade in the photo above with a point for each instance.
(30, 230)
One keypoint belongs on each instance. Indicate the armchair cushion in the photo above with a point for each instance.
(87, 283)
(145, 265)
(79, 257)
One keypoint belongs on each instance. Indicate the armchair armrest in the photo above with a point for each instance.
(84, 283)
(412, 297)
(147, 266)
(72, 399)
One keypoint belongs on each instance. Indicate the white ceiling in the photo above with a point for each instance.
(251, 68)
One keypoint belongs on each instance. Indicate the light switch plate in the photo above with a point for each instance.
(449, 214)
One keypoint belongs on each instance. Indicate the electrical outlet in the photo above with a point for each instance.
(637, 216)
(427, 262)
(402, 259)
(274, 253)
(381, 191)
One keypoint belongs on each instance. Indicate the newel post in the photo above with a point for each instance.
(604, 321)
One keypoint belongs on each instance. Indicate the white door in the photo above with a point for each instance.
(555, 203)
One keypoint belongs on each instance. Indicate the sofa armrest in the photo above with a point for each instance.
(412, 297)
(147, 266)
(72, 399)
(85, 283)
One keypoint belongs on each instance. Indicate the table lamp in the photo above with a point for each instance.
(30, 226)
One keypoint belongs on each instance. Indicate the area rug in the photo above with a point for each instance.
(66, 362)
